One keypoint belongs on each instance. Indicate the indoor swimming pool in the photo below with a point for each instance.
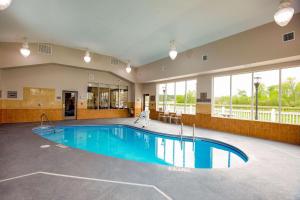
(130, 143)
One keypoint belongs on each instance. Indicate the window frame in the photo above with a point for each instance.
(252, 92)
(166, 93)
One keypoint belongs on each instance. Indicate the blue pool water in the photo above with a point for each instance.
(126, 142)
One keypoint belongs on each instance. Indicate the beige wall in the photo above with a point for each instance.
(11, 57)
(259, 46)
(58, 77)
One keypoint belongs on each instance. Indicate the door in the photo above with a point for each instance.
(146, 101)
(70, 104)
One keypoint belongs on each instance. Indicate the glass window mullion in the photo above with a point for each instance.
(230, 112)
(185, 96)
(279, 97)
(252, 96)
(174, 96)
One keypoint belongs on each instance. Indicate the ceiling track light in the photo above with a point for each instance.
(285, 13)
(128, 68)
(87, 58)
(4, 4)
(25, 51)
(173, 51)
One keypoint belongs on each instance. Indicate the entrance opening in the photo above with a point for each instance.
(146, 102)
(70, 104)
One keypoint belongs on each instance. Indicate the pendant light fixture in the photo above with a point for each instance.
(128, 68)
(4, 4)
(285, 13)
(173, 51)
(87, 58)
(25, 51)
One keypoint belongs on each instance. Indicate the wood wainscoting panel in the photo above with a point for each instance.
(287, 133)
(105, 113)
(29, 115)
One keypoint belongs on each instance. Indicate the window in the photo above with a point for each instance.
(161, 97)
(114, 96)
(92, 100)
(268, 96)
(277, 93)
(221, 96)
(191, 97)
(290, 95)
(242, 96)
(103, 96)
(180, 96)
(170, 98)
(177, 97)
(123, 97)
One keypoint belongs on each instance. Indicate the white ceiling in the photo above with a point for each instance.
(138, 30)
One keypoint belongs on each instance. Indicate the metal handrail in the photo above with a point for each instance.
(44, 118)
(193, 132)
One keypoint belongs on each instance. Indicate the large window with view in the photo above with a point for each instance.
(179, 97)
(272, 95)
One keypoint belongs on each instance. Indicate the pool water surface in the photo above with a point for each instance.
(130, 143)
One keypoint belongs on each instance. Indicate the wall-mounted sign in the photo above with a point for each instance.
(152, 98)
(203, 98)
(12, 94)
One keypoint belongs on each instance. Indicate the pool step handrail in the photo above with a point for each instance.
(194, 132)
(44, 118)
(181, 130)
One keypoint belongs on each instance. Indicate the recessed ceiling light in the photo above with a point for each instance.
(4, 4)
(284, 14)
(25, 51)
(173, 51)
(87, 58)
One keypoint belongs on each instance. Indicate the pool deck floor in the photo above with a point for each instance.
(30, 172)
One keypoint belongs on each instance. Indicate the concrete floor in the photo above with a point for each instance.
(273, 171)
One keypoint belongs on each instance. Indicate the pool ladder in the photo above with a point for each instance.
(181, 131)
(44, 118)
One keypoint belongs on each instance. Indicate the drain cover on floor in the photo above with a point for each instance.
(45, 146)
(61, 146)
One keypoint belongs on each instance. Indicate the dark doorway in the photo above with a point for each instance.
(70, 104)
(146, 101)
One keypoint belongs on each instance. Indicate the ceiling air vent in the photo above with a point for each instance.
(45, 49)
(288, 37)
(114, 61)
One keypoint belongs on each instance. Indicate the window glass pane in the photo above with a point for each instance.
(123, 97)
(161, 96)
(104, 97)
(191, 96)
(268, 95)
(290, 98)
(221, 90)
(180, 96)
(170, 98)
(114, 96)
(92, 93)
(241, 96)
